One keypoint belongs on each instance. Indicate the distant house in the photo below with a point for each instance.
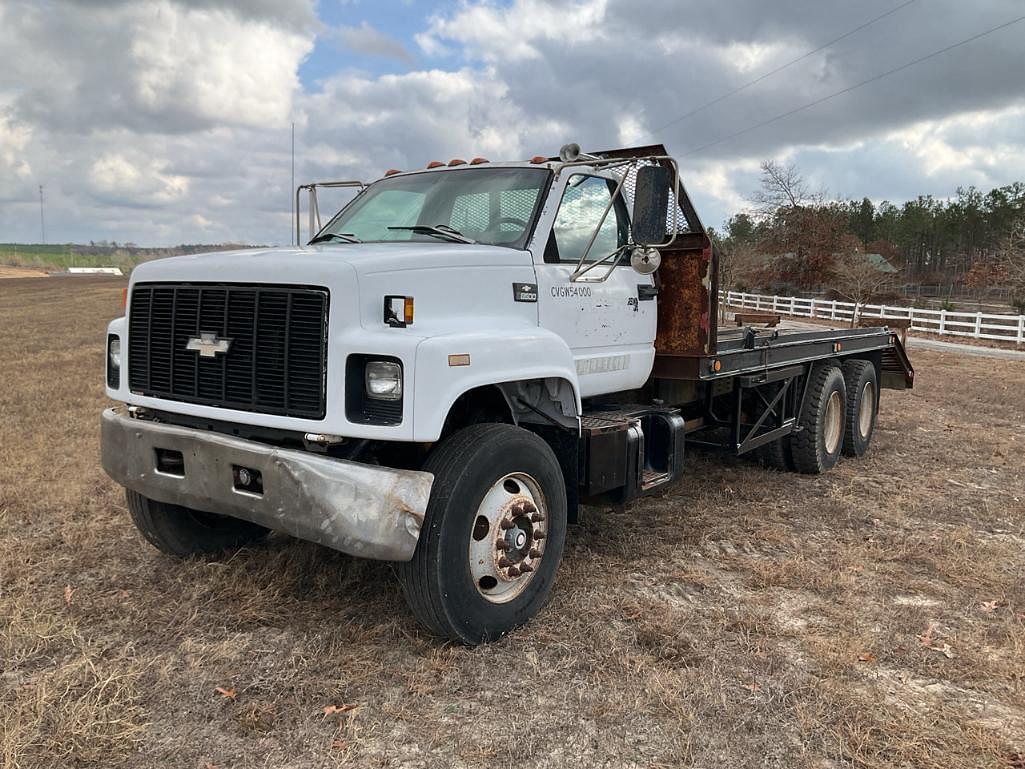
(770, 270)
(880, 263)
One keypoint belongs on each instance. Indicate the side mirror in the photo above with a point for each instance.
(645, 260)
(651, 205)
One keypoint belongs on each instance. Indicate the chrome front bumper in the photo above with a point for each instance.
(364, 510)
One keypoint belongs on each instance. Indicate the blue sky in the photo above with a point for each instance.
(167, 121)
(401, 19)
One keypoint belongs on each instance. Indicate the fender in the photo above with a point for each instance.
(496, 356)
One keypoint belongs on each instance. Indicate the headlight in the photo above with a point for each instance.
(115, 352)
(384, 380)
(113, 361)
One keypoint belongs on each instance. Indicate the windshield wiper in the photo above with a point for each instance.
(345, 237)
(438, 231)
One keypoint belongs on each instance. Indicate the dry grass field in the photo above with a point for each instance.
(871, 617)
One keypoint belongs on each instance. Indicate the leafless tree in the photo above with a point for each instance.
(858, 279)
(782, 187)
(797, 227)
(739, 263)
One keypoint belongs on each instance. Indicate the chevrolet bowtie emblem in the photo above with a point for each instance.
(208, 344)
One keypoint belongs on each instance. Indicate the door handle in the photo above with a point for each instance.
(646, 292)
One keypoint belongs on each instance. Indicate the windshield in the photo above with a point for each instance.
(495, 206)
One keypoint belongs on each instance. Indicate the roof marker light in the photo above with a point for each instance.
(478, 161)
(538, 159)
(435, 164)
(457, 162)
(392, 172)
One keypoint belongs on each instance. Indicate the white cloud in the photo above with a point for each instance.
(156, 66)
(752, 58)
(183, 106)
(140, 181)
(512, 33)
(14, 138)
(210, 63)
(967, 142)
(406, 120)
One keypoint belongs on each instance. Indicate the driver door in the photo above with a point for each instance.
(608, 324)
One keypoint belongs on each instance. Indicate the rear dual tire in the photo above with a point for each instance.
(817, 446)
(862, 406)
(775, 455)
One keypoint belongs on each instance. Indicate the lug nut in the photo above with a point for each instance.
(503, 562)
(535, 553)
(506, 523)
(537, 517)
(501, 544)
(525, 567)
(539, 535)
(514, 572)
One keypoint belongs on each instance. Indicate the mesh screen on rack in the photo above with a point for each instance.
(676, 220)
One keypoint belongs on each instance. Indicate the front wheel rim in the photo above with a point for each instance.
(833, 419)
(507, 537)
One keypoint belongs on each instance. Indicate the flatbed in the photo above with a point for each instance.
(751, 350)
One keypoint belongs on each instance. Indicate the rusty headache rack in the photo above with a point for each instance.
(689, 344)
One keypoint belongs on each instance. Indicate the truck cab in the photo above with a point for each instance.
(442, 372)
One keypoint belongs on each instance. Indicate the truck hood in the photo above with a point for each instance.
(324, 264)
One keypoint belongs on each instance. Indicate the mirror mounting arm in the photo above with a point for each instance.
(597, 228)
(648, 258)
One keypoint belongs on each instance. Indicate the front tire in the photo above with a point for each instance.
(817, 446)
(181, 531)
(492, 536)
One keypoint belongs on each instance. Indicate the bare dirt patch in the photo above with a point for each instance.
(20, 272)
(871, 617)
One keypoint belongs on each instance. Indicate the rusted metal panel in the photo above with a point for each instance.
(685, 316)
(677, 367)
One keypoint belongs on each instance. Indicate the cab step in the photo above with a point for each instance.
(630, 450)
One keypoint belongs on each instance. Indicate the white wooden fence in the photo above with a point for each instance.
(978, 325)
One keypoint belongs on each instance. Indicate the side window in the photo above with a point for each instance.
(583, 203)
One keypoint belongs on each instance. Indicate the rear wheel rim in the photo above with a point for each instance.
(507, 538)
(833, 422)
(866, 409)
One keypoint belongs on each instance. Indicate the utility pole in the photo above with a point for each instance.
(42, 220)
(291, 190)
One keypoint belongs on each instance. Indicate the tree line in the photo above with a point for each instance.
(793, 237)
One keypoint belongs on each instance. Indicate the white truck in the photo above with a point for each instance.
(449, 367)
